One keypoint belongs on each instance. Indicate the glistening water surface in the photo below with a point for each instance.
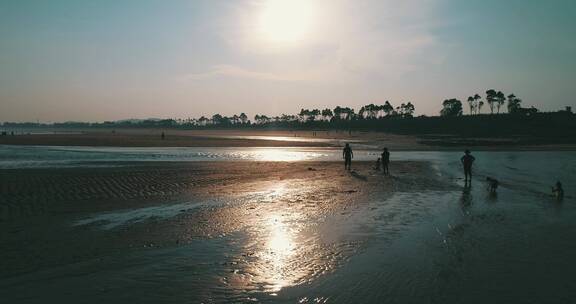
(289, 244)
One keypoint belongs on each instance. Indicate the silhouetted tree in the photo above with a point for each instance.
(473, 103)
(451, 107)
(491, 99)
(343, 113)
(408, 110)
(387, 108)
(216, 119)
(243, 118)
(203, 121)
(304, 114)
(368, 111)
(514, 104)
(500, 99)
(313, 114)
(327, 114)
(261, 119)
(338, 112)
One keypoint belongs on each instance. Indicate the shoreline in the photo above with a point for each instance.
(143, 138)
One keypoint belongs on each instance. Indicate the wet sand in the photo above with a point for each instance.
(286, 232)
(40, 204)
(147, 138)
(274, 138)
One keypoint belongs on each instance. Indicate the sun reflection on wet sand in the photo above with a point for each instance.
(282, 246)
(278, 250)
(275, 154)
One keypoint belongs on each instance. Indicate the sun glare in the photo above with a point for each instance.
(285, 21)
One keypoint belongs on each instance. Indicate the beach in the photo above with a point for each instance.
(58, 195)
(281, 225)
(126, 137)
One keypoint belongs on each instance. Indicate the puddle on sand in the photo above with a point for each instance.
(111, 220)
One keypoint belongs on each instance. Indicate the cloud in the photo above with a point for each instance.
(232, 71)
(349, 40)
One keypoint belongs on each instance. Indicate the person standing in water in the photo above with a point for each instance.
(385, 161)
(467, 161)
(558, 191)
(348, 155)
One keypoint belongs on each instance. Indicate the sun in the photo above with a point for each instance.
(285, 21)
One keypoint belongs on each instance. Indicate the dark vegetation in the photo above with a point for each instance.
(523, 124)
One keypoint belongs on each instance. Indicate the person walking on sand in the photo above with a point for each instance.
(467, 161)
(385, 161)
(348, 155)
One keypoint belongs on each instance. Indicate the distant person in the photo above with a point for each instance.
(385, 161)
(492, 184)
(162, 136)
(348, 155)
(467, 161)
(558, 191)
(377, 165)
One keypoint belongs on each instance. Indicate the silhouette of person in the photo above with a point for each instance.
(385, 161)
(162, 136)
(558, 191)
(348, 155)
(467, 161)
(377, 164)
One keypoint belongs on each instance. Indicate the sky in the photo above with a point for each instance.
(79, 60)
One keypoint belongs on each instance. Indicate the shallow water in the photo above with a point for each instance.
(111, 220)
(455, 246)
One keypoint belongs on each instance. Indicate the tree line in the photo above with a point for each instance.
(367, 112)
(383, 117)
(494, 99)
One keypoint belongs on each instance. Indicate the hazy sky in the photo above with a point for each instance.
(112, 59)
